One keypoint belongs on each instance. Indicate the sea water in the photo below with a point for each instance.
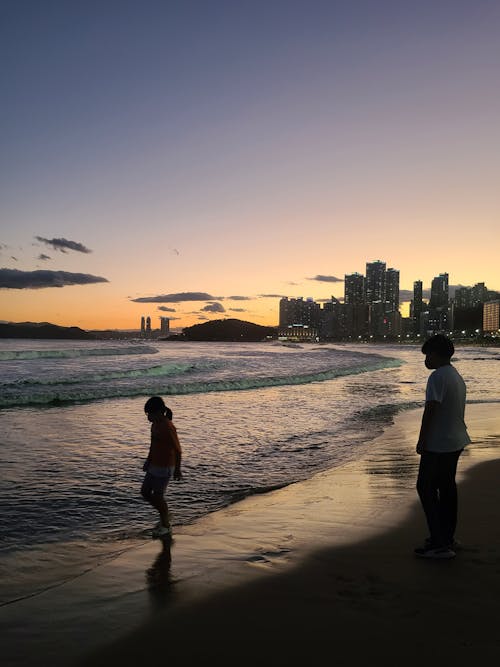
(251, 417)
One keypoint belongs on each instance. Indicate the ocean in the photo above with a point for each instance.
(251, 417)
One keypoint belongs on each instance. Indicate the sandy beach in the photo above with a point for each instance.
(323, 569)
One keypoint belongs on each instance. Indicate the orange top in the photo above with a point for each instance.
(165, 449)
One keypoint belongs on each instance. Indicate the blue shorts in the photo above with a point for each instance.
(155, 483)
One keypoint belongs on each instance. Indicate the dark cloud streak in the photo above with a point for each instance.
(15, 279)
(63, 245)
(327, 279)
(271, 296)
(178, 297)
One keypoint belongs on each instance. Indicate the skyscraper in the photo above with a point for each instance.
(392, 290)
(417, 305)
(143, 325)
(439, 291)
(354, 289)
(164, 326)
(375, 284)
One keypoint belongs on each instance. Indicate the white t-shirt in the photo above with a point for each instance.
(448, 432)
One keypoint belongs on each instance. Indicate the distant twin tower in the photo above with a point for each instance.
(147, 332)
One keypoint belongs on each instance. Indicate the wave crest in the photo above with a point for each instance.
(16, 355)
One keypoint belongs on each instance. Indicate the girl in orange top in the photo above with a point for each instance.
(163, 461)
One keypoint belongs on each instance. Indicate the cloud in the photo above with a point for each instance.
(63, 245)
(14, 258)
(214, 308)
(166, 309)
(202, 317)
(271, 296)
(179, 297)
(43, 257)
(239, 298)
(327, 279)
(238, 310)
(15, 279)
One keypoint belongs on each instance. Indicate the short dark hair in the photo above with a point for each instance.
(156, 404)
(440, 344)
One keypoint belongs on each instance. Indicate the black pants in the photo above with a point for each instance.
(437, 491)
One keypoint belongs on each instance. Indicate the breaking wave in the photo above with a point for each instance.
(63, 395)
(15, 355)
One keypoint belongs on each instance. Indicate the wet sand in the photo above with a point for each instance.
(323, 569)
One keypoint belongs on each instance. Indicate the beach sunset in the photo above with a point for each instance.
(257, 211)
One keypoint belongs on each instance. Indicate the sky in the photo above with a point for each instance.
(201, 159)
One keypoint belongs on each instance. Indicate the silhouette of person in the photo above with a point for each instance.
(443, 436)
(163, 461)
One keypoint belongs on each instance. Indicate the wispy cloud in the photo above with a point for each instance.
(271, 296)
(43, 257)
(179, 297)
(238, 310)
(63, 245)
(15, 279)
(166, 309)
(239, 298)
(327, 279)
(214, 308)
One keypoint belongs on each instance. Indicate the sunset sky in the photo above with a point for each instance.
(203, 150)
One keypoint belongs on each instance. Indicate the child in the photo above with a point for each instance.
(163, 462)
(443, 435)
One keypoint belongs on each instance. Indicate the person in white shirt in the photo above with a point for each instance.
(443, 436)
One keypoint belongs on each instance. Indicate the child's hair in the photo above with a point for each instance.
(439, 344)
(156, 404)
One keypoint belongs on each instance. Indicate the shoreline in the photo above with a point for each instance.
(316, 545)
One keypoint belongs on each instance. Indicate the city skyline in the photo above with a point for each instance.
(357, 293)
(202, 161)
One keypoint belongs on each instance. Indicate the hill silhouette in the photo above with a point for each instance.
(229, 330)
(42, 330)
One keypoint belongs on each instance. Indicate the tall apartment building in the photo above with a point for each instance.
(164, 326)
(391, 290)
(439, 291)
(417, 305)
(354, 289)
(375, 285)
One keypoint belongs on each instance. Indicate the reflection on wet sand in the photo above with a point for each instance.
(158, 576)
